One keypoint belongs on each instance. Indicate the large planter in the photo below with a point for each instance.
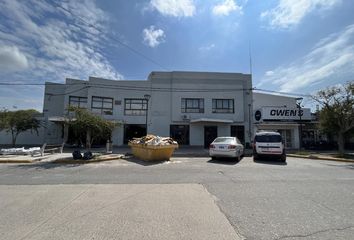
(152, 153)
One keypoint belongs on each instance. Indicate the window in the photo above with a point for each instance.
(135, 107)
(192, 105)
(80, 102)
(223, 106)
(102, 105)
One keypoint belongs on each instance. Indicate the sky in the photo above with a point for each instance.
(295, 46)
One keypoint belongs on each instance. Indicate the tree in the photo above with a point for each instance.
(337, 113)
(19, 121)
(90, 125)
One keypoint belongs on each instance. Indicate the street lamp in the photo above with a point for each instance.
(298, 104)
(147, 98)
(249, 125)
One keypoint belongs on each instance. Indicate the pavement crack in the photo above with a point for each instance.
(314, 233)
(215, 200)
(55, 213)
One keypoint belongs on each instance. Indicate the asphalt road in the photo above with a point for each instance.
(304, 199)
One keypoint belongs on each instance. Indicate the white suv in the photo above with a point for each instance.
(268, 144)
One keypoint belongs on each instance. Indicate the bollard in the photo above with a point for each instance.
(109, 147)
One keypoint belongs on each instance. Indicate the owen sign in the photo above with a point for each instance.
(282, 113)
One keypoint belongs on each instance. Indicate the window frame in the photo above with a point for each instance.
(142, 111)
(79, 101)
(104, 110)
(218, 106)
(191, 109)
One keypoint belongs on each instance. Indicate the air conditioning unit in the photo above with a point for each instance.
(185, 117)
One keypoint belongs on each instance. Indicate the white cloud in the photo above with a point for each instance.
(175, 8)
(12, 59)
(289, 13)
(226, 7)
(207, 48)
(62, 45)
(269, 73)
(330, 59)
(153, 37)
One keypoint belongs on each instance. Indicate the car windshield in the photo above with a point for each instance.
(268, 138)
(224, 140)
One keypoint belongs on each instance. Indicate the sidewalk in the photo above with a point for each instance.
(323, 155)
(104, 211)
(65, 157)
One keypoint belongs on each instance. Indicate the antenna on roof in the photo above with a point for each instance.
(250, 56)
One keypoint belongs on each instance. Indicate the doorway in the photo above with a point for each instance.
(239, 132)
(133, 131)
(180, 133)
(210, 133)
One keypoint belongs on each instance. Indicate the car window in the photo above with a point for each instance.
(268, 138)
(224, 140)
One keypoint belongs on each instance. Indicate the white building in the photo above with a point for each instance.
(191, 107)
(282, 114)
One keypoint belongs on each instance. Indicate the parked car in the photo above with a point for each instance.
(268, 144)
(229, 147)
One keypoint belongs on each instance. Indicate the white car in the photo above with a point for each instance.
(229, 147)
(268, 144)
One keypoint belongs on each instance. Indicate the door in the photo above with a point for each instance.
(133, 131)
(180, 133)
(210, 133)
(239, 132)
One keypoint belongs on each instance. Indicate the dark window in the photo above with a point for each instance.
(192, 105)
(80, 102)
(135, 107)
(223, 106)
(102, 105)
(268, 138)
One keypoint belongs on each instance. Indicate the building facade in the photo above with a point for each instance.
(191, 107)
(282, 114)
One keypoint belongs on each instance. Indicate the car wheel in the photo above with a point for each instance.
(255, 155)
(283, 158)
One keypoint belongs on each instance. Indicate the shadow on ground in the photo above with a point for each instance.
(45, 165)
(224, 161)
(271, 162)
(133, 159)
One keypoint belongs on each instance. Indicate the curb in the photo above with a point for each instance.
(72, 161)
(321, 158)
(17, 161)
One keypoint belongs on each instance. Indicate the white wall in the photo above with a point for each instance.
(164, 105)
(270, 100)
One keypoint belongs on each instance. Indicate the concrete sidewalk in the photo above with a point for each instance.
(153, 211)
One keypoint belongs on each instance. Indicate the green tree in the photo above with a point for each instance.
(19, 121)
(337, 113)
(92, 126)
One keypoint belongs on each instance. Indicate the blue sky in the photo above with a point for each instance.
(297, 46)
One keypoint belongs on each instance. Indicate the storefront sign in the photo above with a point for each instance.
(282, 113)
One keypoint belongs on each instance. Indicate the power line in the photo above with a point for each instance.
(155, 89)
(112, 37)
